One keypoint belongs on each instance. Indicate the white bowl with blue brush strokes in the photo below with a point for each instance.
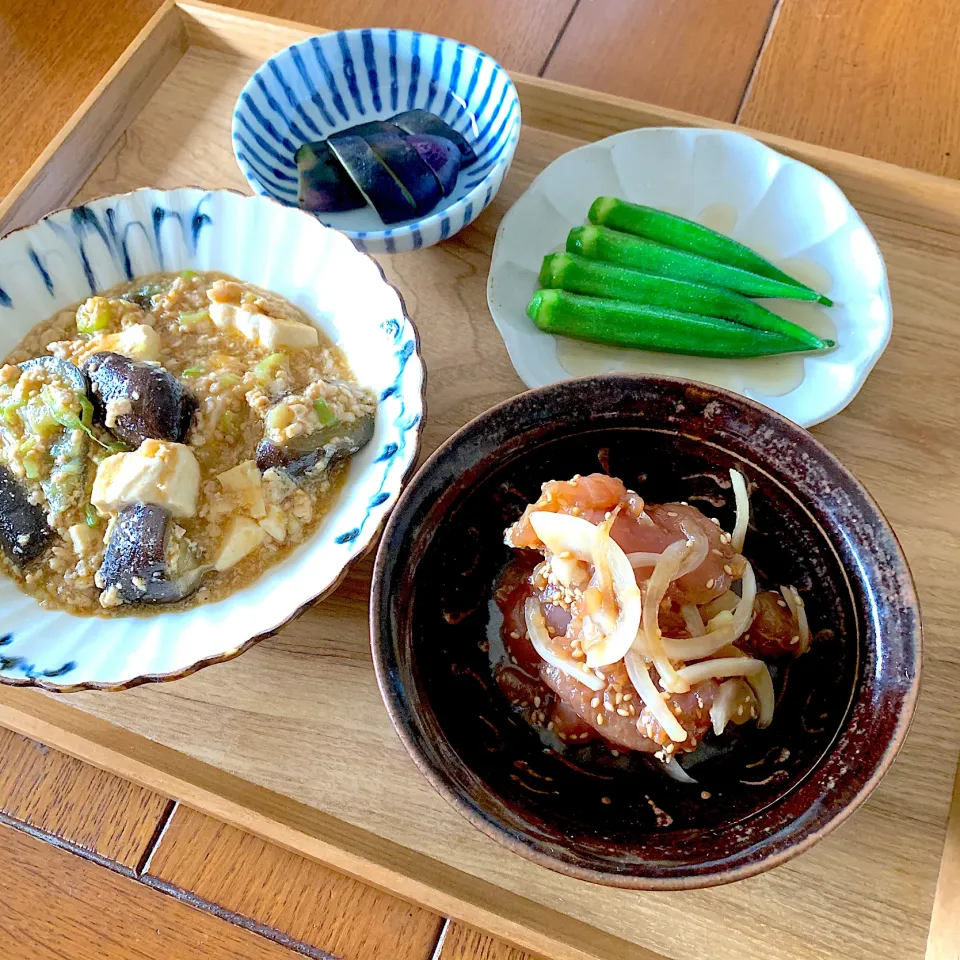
(73, 253)
(327, 83)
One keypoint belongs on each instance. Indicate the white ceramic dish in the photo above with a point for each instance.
(74, 252)
(785, 210)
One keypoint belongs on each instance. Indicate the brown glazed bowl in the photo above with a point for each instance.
(842, 711)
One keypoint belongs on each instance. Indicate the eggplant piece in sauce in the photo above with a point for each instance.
(24, 533)
(161, 408)
(56, 367)
(136, 558)
(318, 450)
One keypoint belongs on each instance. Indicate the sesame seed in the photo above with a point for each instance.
(619, 698)
(536, 701)
(575, 512)
(670, 513)
(595, 702)
(728, 570)
(550, 725)
(514, 635)
(562, 735)
(614, 753)
(600, 674)
(605, 800)
(715, 520)
(608, 706)
(781, 603)
(622, 712)
(704, 794)
(794, 640)
(710, 583)
(599, 719)
(716, 552)
(740, 710)
(583, 736)
(513, 659)
(606, 516)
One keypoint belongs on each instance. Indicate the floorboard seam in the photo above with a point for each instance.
(560, 35)
(748, 89)
(158, 835)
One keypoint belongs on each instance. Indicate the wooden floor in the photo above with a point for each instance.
(94, 867)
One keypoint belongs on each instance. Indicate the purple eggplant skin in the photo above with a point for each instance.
(161, 407)
(56, 367)
(375, 180)
(410, 169)
(372, 128)
(441, 155)
(422, 121)
(316, 450)
(24, 533)
(135, 559)
(324, 186)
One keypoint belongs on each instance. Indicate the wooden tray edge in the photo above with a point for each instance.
(309, 832)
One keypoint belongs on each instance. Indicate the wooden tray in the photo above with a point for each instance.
(291, 741)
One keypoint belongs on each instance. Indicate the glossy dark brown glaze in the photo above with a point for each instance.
(843, 709)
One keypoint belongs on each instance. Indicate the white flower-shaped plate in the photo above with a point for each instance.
(75, 252)
(785, 210)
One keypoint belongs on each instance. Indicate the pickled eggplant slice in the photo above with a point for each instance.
(24, 533)
(137, 560)
(406, 164)
(422, 121)
(385, 193)
(372, 128)
(148, 401)
(56, 367)
(441, 155)
(318, 450)
(325, 186)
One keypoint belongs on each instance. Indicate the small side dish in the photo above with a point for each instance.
(642, 278)
(403, 167)
(638, 625)
(168, 440)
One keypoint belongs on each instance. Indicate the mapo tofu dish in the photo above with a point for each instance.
(166, 441)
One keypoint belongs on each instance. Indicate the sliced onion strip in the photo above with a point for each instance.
(762, 685)
(797, 610)
(742, 501)
(719, 668)
(693, 620)
(743, 615)
(663, 573)
(566, 534)
(731, 695)
(726, 601)
(650, 695)
(537, 631)
(638, 560)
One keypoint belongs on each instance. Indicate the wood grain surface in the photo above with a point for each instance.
(461, 942)
(875, 77)
(944, 940)
(57, 906)
(73, 801)
(685, 54)
(879, 872)
(299, 898)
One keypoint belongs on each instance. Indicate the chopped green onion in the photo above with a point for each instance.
(229, 424)
(268, 368)
(31, 466)
(325, 414)
(84, 422)
(229, 379)
(188, 274)
(190, 319)
(86, 412)
(9, 412)
(64, 417)
(193, 371)
(26, 444)
(93, 315)
(90, 515)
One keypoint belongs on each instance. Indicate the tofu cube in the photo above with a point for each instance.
(242, 536)
(138, 342)
(85, 539)
(160, 473)
(244, 485)
(275, 523)
(270, 332)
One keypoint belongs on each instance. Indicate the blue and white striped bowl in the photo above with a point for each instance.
(324, 84)
(73, 253)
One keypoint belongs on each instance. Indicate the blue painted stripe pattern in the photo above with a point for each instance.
(324, 84)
